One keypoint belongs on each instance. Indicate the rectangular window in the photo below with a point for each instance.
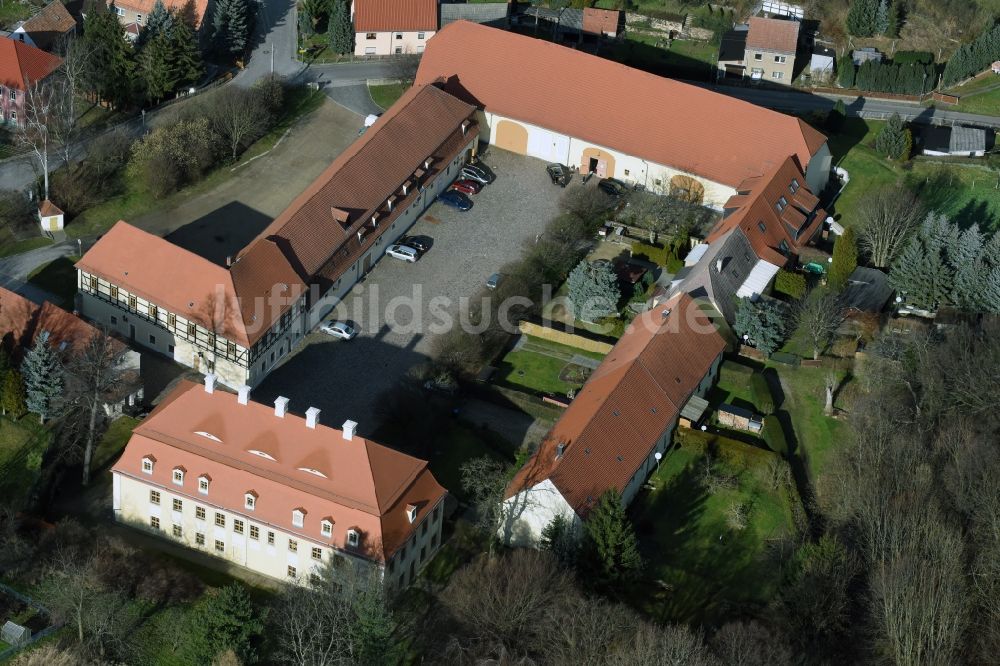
(93, 283)
(147, 466)
(794, 186)
(220, 519)
(199, 512)
(177, 531)
(237, 525)
(420, 35)
(270, 538)
(423, 554)
(202, 485)
(154, 496)
(434, 541)
(254, 532)
(758, 56)
(398, 50)
(230, 348)
(153, 312)
(220, 546)
(138, 18)
(370, 35)
(317, 553)
(154, 522)
(291, 571)
(191, 329)
(178, 505)
(437, 512)
(314, 579)
(326, 529)
(199, 538)
(423, 529)
(119, 11)
(114, 293)
(152, 339)
(777, 75)
(178, 475)
(293, 545)
(171, 321)
(399, 35)
(132, 302)
(211, 339)
(779, 59)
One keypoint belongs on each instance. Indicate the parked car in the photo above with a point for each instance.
(612, 187)
(419, 243)
(403, 252)
(493, 281)
(455, 199)
(467, 186)
(560, 174)
(478, 172)
(339, 329)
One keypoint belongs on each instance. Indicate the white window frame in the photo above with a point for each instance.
(326, 528)
(298, 518)
(421, 35)
(249, 501)
(369, 50)
(777, 75)
(138, 19)
(119, 11)
(147, 465)
(780, 59)
(758, 56)
(203, 483)
(178, 476)
(353, 538)
(411, 513)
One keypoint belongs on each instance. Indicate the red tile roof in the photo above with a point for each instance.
(768, 34)
(21, 321)
(757, 203)
(48, 209)
(22, 64)
(241, 302)
(600, 21)
(199, 7)
(357, 483)
(48, 25)
(636, 393)
(424, 122)
(395, 15)
(660, 120)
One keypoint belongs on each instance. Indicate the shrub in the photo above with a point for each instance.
(174, 155)
(790, 284)
(918, 57)
(587, 203)
(774, 436)
(17, 212)
(653, 253)
(761, 392)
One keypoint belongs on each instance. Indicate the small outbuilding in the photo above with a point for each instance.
(50, 216)
(14, 634)
(739, 418)
(995, 67)
(821, 63)
(860, 56)
(954, 141)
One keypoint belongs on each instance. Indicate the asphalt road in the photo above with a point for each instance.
(393, 306)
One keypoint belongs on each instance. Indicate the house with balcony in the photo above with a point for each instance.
(280, 494)
(393, 27)
(762, 50)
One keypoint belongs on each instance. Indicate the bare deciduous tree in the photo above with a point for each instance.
(36, 129)
(239, 115)
(750, 644)
(819, 315)
(887, 218)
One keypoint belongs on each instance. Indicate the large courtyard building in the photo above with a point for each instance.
(274, 492)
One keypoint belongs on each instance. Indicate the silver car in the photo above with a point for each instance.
(339, 329)
(403, 252)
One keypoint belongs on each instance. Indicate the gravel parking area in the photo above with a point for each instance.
(399, 305)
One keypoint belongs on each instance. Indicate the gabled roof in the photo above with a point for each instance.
(777, 206)
(363, 177)
(357, 483)
(240, 303)
(49, 209)
(693, 129)
(395, 15)
(601, 21)
(197, 8)
(22, 64)
(778, 35)
(630, 400)
(957, 139)
(23, 320)
(52, 22)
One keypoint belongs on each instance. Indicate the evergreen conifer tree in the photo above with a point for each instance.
(341, 29)
(43, 378)
(12, 394)
(231, 25)
(610, 544)
(845, 259)
(110, 63)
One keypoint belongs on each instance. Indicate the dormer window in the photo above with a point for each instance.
(147, 464)
(782, 202)
(178, 476)
(203, 482)
(250, 500)
(762, 227)
(326, 527)
(352, 538)
(298, 517)
(794, 186)
(411, 512)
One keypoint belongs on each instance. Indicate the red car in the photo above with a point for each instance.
(467, 186)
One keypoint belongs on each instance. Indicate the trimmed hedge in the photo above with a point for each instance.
(774, 436)
(761, 392)
(790, 284)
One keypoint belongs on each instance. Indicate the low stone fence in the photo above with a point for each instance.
(564, 338)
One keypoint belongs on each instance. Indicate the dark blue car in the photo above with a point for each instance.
(455, 199)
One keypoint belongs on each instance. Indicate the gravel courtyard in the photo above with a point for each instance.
(394, 304)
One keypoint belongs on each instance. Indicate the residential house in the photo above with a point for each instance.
(48, 28)
(769, 51)
(240, 320)
(763, 228)
(559, 113)
(134, 14)
(274, 492)
(495, 14)
(613, 434)
(956, 141)
(393, 27)
(21, 66)
(22, 321)
(603, 22)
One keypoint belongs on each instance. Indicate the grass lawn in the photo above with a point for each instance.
(136, 201)
(459, 444)
(12, 12)
(966, 193)
(386, 95)
(539, 364)
(9, 246)
(682, 59)
(113, 441)
(57, 277)
(22, 444)
(700, 563)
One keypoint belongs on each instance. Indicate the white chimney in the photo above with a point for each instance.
(349, 427)
(280, 406)
(718, 265)
(312, 417)
(210, 383)
(243, 394)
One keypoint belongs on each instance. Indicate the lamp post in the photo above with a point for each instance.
(658, 456)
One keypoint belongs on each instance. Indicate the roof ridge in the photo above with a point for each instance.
(401, 488)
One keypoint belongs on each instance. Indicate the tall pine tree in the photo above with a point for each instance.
(186, 54)
(610, 545)
(231, 26)
(159, 21)
(110, 64)
(43, 378)
(861, 18)
(341, 29)
(12, 394)
(158, 68)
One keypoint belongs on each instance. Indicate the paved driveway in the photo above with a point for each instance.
(394, 303)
